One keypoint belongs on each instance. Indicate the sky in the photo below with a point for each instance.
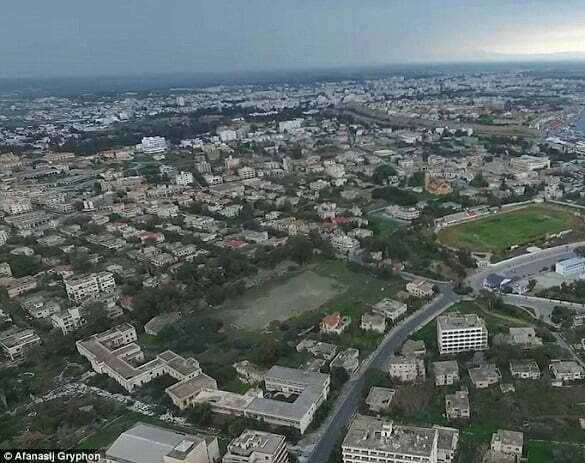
(52, 38)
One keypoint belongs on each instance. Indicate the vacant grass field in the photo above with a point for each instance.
(496, 234)
(281, 300)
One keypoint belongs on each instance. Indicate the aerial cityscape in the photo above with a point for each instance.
(344, 263)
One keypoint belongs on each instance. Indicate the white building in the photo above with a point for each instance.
(460, 333)
(526, 162)
(152, 145)
(3, 237)
(289, 126)
(145, 443)
(380, 440)
(569, 267)
(213, 179)
(67, 320)
(255, 447)
(184, 178)
(84, 287)
(344, 244)
(15, 342)
(16, 206)
(246, 172)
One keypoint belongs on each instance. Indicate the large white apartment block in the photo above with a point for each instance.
(67, 320)
(145, 443)
(152, 145)
(257, 446)
(461, 333)
(84, 287)
(568, 267)
(344, 244)
(380, 440)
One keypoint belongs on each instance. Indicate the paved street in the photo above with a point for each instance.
(348, 402)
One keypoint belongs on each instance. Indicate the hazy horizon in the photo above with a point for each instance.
(121, 38)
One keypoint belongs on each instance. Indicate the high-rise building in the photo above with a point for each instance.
(460, 333)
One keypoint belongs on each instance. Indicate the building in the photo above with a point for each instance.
(18, 286)
(184, 178)
(344, 244)
(495, 282)
(3, 237)
(14, 342)
(527, 369)
(524, 337)
(406, 369)
(420, 288)
(380, 440)
(446, 373)
(84, 287)
(152, 145)
(40, 305)
(457, 405)
(484, 376)
(116, 354)
(570, 267)
(373, 322)
(379, 398)
(256, 447)
(334, 323)
(460, 333)
(246, 172)
(446, 444)
(566, 370)
(348, 359)
(145, 443)
(526, 162)
(248, 372)
(390, 308)
(68, 320)
(506, 446)
(437, 185)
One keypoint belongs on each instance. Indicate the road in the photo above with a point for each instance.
(349, 400)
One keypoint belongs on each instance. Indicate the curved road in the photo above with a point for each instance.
(349, 400)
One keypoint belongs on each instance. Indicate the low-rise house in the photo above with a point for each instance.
(457, 405)
(153, 444)
(527, 369)
(448, 439)
(373, 322)
(566, 370)
(379, 398)
(420, 288)
(14, 342)
(505, 447)
(334, 323)
(318, 349)
(524, 337)
(412, 348)
(484, 376)
(446, 373)
(390, 308)
(406, 369)
(348, 359)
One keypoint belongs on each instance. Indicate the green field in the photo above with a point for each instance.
(496, 234)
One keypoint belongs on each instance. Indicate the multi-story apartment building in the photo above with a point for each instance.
(406, 368)
(84, 287)
(67, 320)
(184, 178)
(380, 440)
(460, 333)
(15, 342)
(246, 172)
(3, 237)
(14, 206)
(257, 446)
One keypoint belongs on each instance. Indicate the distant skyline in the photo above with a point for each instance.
(64, 38)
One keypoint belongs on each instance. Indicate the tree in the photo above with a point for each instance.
(382, 173)
(479, 181)
(199, 414)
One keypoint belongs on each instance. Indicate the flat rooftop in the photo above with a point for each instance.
(457, 321)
